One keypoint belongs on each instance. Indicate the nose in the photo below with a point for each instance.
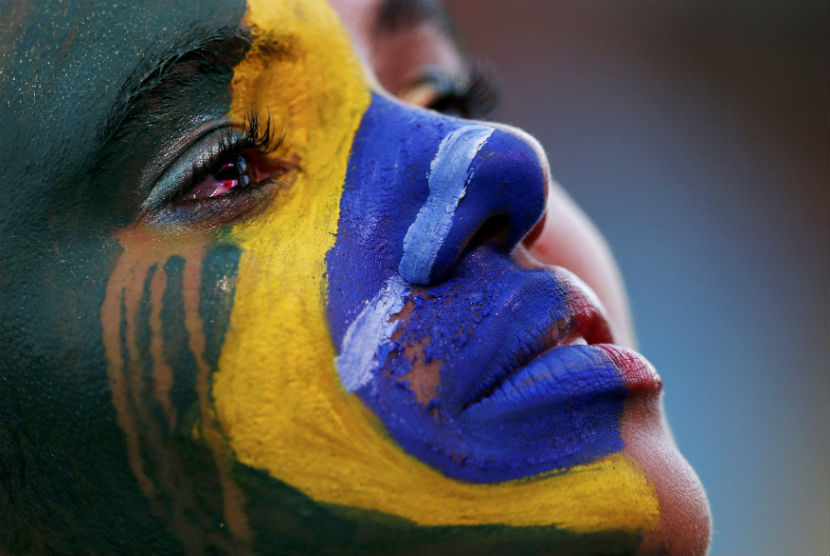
(484, 184)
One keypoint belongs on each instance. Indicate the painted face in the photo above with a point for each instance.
(252, 302)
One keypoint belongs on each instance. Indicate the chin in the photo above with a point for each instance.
(685, 521)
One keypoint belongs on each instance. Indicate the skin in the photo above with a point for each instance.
(304, 366)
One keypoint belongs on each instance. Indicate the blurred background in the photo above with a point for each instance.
(695, 134)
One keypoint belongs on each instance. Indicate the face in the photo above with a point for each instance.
(259, 298)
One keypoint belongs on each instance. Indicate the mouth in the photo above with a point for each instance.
(575, 362)
(528, 379)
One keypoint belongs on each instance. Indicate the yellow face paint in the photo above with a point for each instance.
(277, 394)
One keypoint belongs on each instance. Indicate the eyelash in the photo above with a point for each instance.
(256, 138)
(475, 97)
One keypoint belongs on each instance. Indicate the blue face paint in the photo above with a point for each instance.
(452, 348)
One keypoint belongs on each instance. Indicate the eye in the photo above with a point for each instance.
(235, 174)
(473, 96)
(222, 176)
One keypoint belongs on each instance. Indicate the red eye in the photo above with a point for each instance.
(235, 174)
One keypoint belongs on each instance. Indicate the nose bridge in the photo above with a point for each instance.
(478, 172)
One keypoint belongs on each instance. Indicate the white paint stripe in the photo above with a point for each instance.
(368, 333)
(449, 174)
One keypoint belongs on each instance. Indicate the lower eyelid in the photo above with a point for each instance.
(422, 94)
(219, 211)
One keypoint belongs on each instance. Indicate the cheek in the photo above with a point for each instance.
(150, 319)
(276, 388)
(275, 369)
(164, 318)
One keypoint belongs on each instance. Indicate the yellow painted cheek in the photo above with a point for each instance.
(277, 393)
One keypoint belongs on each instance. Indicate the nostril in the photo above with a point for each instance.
(534, 234)
(495, 230)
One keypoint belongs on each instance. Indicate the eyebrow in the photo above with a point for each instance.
(198, 53)
(397, 15)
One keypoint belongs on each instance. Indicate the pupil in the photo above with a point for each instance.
(227, 172)
(234, 173)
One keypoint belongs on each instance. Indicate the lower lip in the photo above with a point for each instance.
(637, 374)
(565, 377)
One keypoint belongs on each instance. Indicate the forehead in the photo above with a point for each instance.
(75, 55)
(77, 52)
(52, 49)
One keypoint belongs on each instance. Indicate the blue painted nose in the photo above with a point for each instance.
(484, 184)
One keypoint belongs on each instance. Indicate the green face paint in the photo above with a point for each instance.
(84, 109)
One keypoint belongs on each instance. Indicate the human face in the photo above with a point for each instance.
(254, 303)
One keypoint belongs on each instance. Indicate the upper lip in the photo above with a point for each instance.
(583, 321)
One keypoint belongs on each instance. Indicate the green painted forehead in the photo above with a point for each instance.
(64, 70)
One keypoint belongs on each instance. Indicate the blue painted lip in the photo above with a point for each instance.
(541, 358)
(556, 379)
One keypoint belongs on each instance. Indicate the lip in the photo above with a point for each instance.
(576, 361)
(583, 323)
(564, 376)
